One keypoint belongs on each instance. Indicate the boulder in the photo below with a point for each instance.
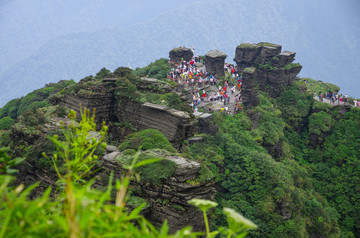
(179, 53)
(214, 62)
(246, 54)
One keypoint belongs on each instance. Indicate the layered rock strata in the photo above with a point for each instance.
(174, 124)
(214, 62)
(111, 107)
(170, 199)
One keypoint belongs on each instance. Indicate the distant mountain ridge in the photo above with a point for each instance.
(327, 55)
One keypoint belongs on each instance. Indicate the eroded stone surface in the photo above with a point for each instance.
(214, 62)
(179, 53)
(274, 69)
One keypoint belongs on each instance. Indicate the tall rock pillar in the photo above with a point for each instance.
(250, 91)
(214, 62)
(179, 53)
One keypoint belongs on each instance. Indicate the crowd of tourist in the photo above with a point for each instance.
(194, 76)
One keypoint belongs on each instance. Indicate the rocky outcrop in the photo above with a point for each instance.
(274, 69)
(214, 62)
(274, 80)
(101, 98)
(179, 53)
(248, 55)
(114, 107)
(170, 199)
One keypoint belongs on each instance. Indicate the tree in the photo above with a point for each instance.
(104, 73)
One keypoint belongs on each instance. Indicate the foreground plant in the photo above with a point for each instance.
(79, 210)
(6, 162)
(204, 205)
(238, 225)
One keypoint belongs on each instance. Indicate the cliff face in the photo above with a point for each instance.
(272, 69)
(112, 107)
(174, 124)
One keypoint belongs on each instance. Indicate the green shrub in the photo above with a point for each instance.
(36, 99)
(6, 123)
(157, 69)
(123, 72)
(295, 106)
(205, 174)
(10, 109)
(38, 104)
(6, 163)
(125, 88)
(103, 73)
(147, 139)
(319, 122)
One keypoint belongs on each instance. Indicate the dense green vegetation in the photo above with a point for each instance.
(34, 100)
(276, 193)
(157, 69)
(6, 123)
(318, 86)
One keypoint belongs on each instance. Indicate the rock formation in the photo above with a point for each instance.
(170, 199)
(214, 62)
(179, 53)
(177, 191)
(206, 123)
(112, 106)
(250, 92)
(247, 55)
(274, 69)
